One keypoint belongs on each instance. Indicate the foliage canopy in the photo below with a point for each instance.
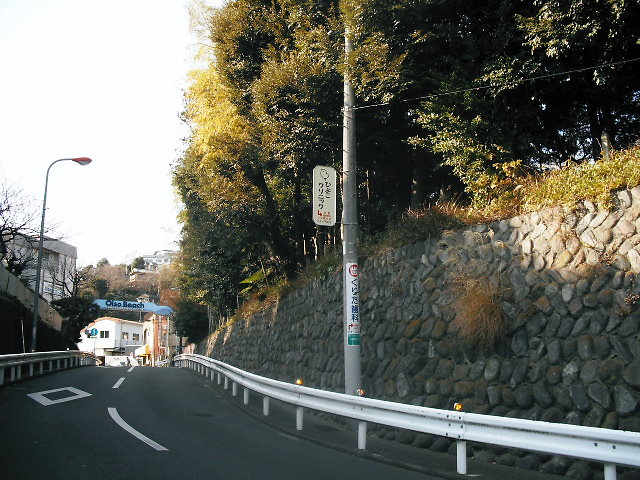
(454, 98)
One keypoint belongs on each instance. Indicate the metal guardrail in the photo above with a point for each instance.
(18, 363)
(610, 447)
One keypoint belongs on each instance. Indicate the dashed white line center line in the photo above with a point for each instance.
(116, 418)
(118, 383)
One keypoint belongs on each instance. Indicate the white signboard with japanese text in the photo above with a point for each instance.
(352, 299)
(324, 196)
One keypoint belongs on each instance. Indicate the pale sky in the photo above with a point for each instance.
(102, 79)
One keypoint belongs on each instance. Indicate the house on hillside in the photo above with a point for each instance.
(161, 258)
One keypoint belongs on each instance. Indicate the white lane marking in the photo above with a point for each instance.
(41, 398)
(131, 369)
(118, 383)
(116, 418)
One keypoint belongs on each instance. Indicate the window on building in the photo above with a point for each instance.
(104, 333)
(125, 335)
(136, 337)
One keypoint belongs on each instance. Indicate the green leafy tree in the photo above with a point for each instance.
(571, 35)
(77, 312)
(138, 262)
(191, 320)
(239, 107)
(446, 101)
(100, 286)
(103, 262)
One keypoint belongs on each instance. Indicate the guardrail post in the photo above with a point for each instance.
(58, 364)
(213, 372)
(610, 471)
(1, 375)
(41, 367)
(19, 372)
(31, 369)
(299, 418)
(12, 375)
(461, 448)
(362, 435)
(265, 406)
(219, 378)
(246, 396)
(234, 389)
(226, 383)
(50, 365)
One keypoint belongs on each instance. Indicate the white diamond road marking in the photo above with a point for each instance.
(41, 398)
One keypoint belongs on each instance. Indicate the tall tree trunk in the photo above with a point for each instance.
(282, 250)
(298, 225)
(417, 184)
(595, 129)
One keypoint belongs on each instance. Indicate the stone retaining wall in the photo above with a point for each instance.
(566, 284)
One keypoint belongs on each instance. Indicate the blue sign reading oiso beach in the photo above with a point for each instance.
(128, 306)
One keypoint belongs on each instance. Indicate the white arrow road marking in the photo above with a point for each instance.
(118, 383)
(116, 418)
(41, 398)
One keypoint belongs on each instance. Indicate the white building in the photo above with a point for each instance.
(109, 336)
(58, 265)
(159, 259)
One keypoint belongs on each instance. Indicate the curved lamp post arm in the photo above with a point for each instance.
(34, 329)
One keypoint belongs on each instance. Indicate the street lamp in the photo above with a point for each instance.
(80, 161)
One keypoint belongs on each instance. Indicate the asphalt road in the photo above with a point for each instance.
(153, 423)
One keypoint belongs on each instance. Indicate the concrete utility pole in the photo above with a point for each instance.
(351, 298)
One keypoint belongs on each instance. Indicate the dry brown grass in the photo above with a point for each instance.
(479, 320)
(429, 222)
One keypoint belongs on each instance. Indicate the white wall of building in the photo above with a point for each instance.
(113, 335)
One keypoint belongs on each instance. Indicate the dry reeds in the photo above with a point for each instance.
(479, 320)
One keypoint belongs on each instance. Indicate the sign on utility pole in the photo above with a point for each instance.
(324, 196)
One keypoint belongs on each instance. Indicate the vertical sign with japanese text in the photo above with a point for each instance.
(352, 298)
(324, 196)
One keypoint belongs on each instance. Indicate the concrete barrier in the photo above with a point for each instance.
(11, 285)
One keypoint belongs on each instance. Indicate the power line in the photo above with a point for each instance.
(504, 84)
